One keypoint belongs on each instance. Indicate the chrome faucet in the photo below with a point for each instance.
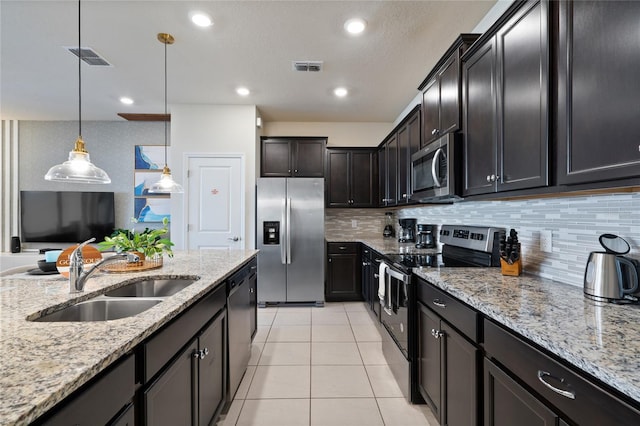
(78, 278)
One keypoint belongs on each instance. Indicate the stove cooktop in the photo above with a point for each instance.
(425, 260)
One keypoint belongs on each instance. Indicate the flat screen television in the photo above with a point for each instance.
(66, 216)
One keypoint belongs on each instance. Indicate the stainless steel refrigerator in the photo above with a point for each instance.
(290, 237)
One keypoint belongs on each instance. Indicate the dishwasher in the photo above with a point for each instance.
(239, 314)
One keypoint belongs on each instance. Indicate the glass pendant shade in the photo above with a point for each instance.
(166, 184)
(78, 168)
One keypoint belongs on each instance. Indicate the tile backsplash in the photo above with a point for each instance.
(576, 222)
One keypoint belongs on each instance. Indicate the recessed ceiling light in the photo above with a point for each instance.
(355, 26)
(201, 19)
(341, 92)
(242, 91)
(125, 100)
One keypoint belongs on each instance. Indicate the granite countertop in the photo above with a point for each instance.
(42, 362)
(383, 245)
(602, 339)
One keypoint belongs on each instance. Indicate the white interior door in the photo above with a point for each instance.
(215, 202)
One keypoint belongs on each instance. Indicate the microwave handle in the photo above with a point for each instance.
(434, 165)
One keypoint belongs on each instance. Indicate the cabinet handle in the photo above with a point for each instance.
(439, 303)
(488, 178)
(404, 195)
(342, 247)
(376, 276)
(253, 268)
(295, 171)
(434, 131)
(566, 394)
(437, 333)
(329, 260)
(251, 290)
(201, 353)
(366, 263)
(289, 171)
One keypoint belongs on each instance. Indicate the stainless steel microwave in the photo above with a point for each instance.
(435, 171)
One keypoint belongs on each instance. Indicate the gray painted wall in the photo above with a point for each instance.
(110, 144)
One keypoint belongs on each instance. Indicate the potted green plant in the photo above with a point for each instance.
(149, 242)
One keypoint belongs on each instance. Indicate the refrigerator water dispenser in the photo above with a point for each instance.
(271, 233)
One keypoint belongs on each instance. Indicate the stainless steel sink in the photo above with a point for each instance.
(100, 310)
(151, 288)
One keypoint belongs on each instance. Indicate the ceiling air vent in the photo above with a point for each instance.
(310, 66)
(89, 56)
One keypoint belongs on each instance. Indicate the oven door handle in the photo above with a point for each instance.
(434, 166)
(397, 275)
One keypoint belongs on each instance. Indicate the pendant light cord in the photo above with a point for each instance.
(79, 77)
(165, 104)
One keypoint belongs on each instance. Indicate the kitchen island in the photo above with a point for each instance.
(43, 362)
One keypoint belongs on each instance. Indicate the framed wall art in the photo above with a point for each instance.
(149, 208)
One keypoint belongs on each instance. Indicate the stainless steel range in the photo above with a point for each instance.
(463, 246)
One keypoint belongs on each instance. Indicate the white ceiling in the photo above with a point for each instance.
(252, 43)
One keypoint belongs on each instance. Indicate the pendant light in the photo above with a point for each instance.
(166, 184)
(78, 168)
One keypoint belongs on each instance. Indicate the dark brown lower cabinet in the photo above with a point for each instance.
(429, 360)
(447, 369)
(127, 418)
(211, 370)
(344, 281)
(506, 403)
(170, 400)
(192, 389)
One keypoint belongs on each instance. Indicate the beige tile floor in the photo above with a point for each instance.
(320, 367)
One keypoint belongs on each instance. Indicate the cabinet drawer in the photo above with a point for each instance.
(578, 398)
(342, 248)
(456, 313)
(161, 347)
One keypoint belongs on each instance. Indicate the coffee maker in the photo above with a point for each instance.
(388, 227)
(426, 237)
(407, 232)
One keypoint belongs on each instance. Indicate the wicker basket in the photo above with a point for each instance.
(124, 266)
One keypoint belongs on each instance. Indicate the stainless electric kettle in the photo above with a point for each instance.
(609, 276)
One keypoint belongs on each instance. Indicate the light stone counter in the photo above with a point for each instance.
(42, 362)
(379, 243)
(600, 339)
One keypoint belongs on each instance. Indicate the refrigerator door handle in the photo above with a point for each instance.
(283, 250)
(288, 231)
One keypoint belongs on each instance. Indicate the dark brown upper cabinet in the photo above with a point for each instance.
(506, 103)
(395, 160)
(598, 88)
(441, 92)
(292, 157)
(389, 181)
(408, 144)
(351, 177)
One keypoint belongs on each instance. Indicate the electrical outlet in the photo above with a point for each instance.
(354, 223)
(546, 241)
